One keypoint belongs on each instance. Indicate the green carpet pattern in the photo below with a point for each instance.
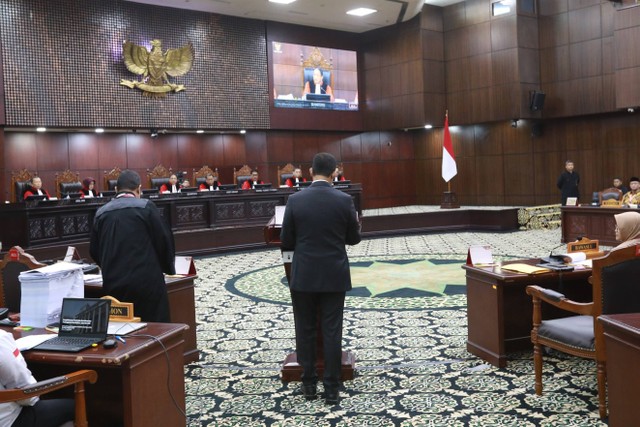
(405, 321)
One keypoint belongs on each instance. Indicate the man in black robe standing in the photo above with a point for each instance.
(568, 182)
(133, 246)
(318, 222)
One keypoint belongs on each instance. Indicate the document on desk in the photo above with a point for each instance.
(30, 341)
(525, 268)
(124, 328)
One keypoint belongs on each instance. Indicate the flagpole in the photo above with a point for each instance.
(449, 170)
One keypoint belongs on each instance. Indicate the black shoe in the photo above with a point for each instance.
(331, 397)
(310, 392)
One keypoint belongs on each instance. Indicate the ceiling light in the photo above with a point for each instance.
(199, 131)
(41, 129)
(243, 131)
(99, 130)
(361, 11)
(428, 126)
(282, 1)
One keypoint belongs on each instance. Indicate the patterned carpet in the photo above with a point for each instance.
(406, 323)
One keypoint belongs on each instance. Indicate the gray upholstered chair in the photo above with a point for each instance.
(615, 290)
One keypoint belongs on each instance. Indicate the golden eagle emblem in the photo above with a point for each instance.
(154, 67)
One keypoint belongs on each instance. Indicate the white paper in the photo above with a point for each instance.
(574, 257)
(30, 341)
(124, 328)
(279, 214)
(287, 256)
(70, 253)
(43, 290)
(182, 264)
(480, 254)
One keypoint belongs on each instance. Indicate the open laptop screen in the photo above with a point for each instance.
(84, 317)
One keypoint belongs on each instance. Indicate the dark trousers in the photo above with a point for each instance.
(46, 413)
(307, 306)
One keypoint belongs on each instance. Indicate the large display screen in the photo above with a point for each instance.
(314, 77)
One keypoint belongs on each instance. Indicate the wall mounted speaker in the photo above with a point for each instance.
(537, 101)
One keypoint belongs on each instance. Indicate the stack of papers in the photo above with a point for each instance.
(30, 341)
(43, 290)
(124, 328)
(525, 268)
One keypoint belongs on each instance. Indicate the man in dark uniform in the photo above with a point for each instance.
(318, 222)
(133, 246)
(568, 182)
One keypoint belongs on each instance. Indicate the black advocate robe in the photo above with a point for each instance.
(133, 246)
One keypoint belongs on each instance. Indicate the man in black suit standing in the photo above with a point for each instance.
(318, 222)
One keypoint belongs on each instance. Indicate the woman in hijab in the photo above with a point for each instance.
(627, 229)
(89, 187)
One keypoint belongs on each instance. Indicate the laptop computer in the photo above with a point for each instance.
(83, 322)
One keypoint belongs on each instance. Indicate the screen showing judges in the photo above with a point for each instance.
(314, 77)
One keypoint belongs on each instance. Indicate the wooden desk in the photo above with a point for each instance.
(499, 312)
(622, 340)
(132, 378)
(181, 306)
(596, 223)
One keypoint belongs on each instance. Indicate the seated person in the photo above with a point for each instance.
(296, 179)
(617, 183)
(185, 184)
(36, 189)
(632, 197)
(88, 189)
(251, 183)
(318, 85)
(338, 175)
(210, 184)
(31, 412)
(627, 229)
(171, 187)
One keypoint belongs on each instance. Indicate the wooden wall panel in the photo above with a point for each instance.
(504, 33)
(52, 152)
(481, 77)
(165, 149)
(554, 30)
(552, 7)
(480, 38)
(191, 153)
(83, 153)
(586, 59)
(585, 24)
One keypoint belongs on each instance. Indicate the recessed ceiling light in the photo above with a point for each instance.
(361, 11)
(282, 1)
(428, 126)
(99, 130)
(41, 129)
(243, 131)
(199, 131)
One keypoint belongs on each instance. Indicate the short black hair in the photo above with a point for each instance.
(324, 164)
(128, 180)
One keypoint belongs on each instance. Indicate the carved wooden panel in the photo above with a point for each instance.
(263, 208)
(42, 228)
(190, 214)
(229, 211)
(75, 224)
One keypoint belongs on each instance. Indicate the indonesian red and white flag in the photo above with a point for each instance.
(449, 169)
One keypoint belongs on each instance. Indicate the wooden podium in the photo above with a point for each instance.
(291, 370)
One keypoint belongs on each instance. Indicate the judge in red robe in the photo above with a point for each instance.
(251, 183)
(36, 189)
(171, 187)
(296, 179)
(210, 184)
(88, 188)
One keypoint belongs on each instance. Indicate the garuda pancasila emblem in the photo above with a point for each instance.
(155, 66)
